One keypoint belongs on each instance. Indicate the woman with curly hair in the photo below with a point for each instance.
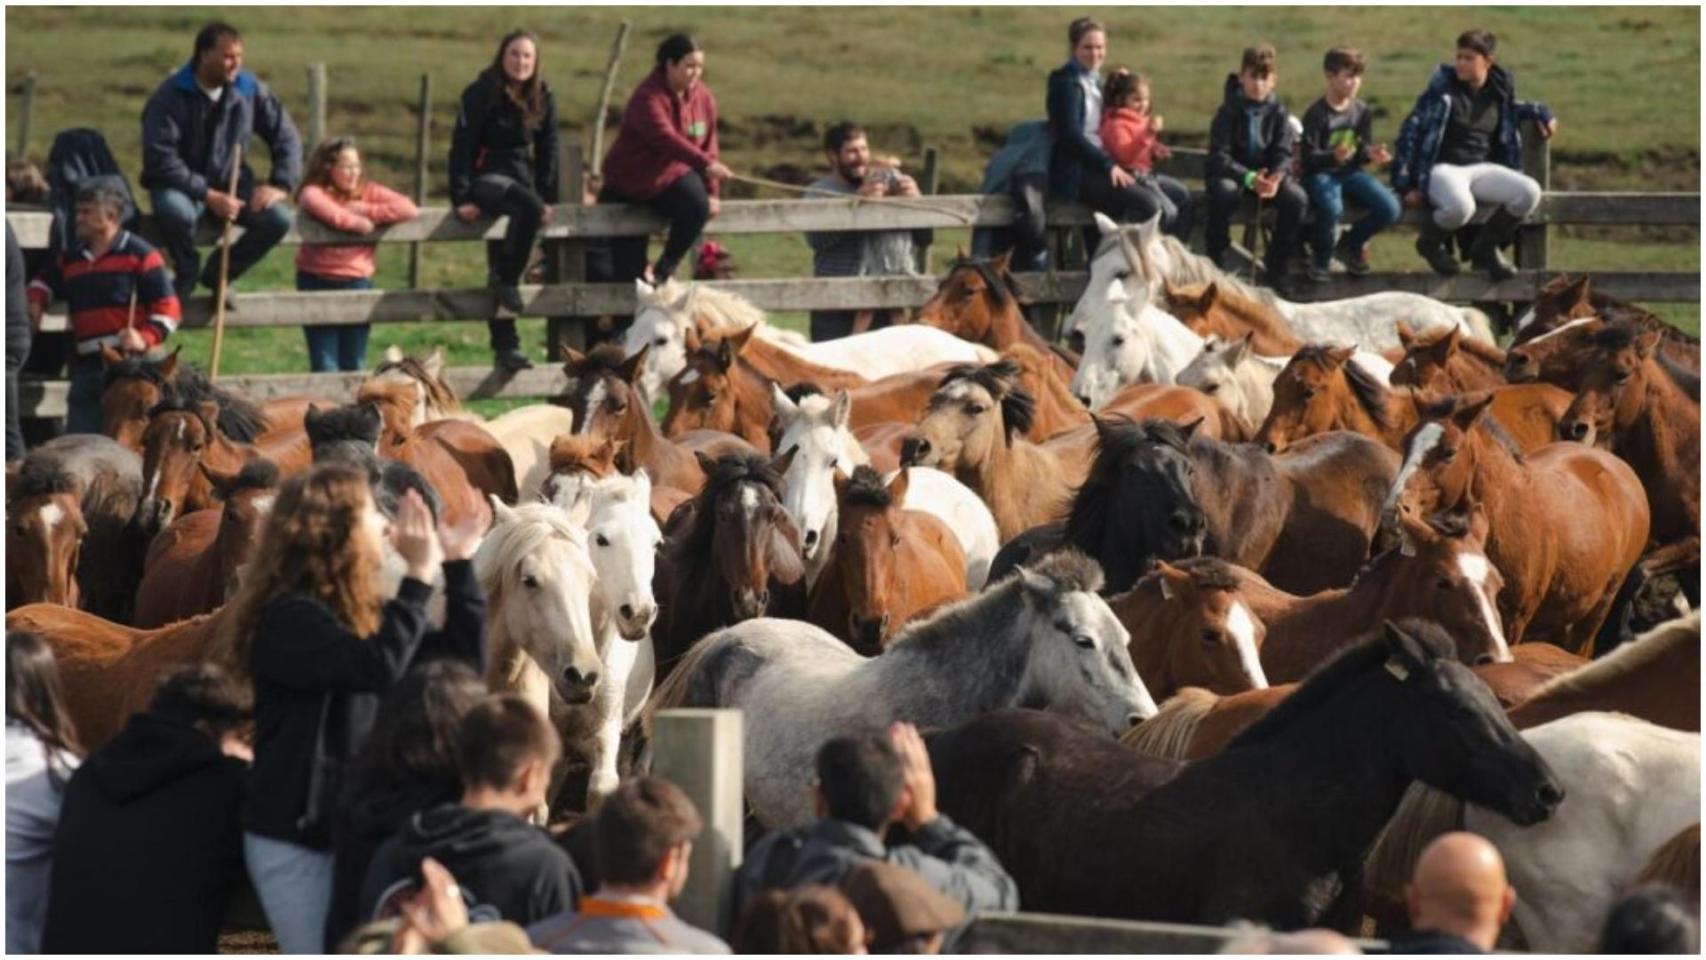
(41, 752)
(313, 631)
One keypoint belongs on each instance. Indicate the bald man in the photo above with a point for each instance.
(1458, 896)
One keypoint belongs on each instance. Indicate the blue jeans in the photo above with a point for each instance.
(1327, 193)
(176, 215)
(294, 884)
(83, 399)
(335, 348)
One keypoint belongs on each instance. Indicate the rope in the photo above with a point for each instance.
(916, 203)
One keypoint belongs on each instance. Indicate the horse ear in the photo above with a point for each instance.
(705, 463)
(1189, 430)
(1105, 224)
(632, 366)
(1404, 653)
(839, 480)
(644, 292)
(1240, 350)
(110, 357)
(1412, 531)
(740, 338)
(581, 510)
(169, 366)
(209, 411)
(725, 355)
(1209, 295)
(392, 354)
(310, 419)
(1035, 584)
(781, 463)
(501, 512)
(1479, 524)
(643, 485)
(1341, 355)
(898, 486)
(1002, 262)
(1469, 413)
(572, 358)
(1646, 343)
(1406, 336)
(1172, 579)
(221, 480)
(841, 412)
(960, 253)
(1581, 292)
(434, 363)
(784, 407)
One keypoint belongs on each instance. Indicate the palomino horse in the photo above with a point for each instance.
(605, 402)
(134, 385)
(193, 564)
(1655, 677)
(1321, 390)
(1143, 259)
(1042, 637)
(182, 438)
(1240, 381)
(1637, 408)
(1189, 627)
(978, 300)
(526, 434)
(1561, 579)
(68, 536)
(732, 553)
(577, 462)
(975, 430)
(481, 459)
(1083, 824)
(890, 564)
(1631, 787)
(1447, 363)
(815, 428)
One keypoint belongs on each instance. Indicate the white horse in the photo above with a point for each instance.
(1369, 322)
(1238, 378)
(1629, 786)
(666, 313)
(816, 428)
(1042, 637)
(526, 434)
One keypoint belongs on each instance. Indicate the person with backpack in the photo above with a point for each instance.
(191, 127)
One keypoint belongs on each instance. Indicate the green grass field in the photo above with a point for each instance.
(1624, 82)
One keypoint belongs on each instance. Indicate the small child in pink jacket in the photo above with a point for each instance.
(335, 193)
(1130, 134)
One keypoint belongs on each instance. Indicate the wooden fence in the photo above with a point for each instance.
(569, 301)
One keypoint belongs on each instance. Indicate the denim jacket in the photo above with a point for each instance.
(1424, 129)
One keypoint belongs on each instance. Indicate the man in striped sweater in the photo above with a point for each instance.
(117, 290)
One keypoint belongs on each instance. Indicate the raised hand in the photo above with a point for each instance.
(413, 536)
(462, 538)
(920, 779)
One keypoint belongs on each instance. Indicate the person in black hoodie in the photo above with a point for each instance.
(321, 647)
(149, 845)
(507, 868)
(1249, 150)
(409, 765)
(503, 162)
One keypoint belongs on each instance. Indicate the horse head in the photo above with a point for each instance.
(705, 394)
(1439, 572)
(660, 327)
(746, 532)
(131, 387)
(1228, 372)
(815, 428)
(1125, 259)
(1203, 632)
(538, 578)
(966, 300)
(1426, 360)
(868, 534)
(1555, 356)
(575, 463)
(434, 399)
(172, 447)
(1077, 657)
(348, 434)
(602, 392)
(1138, 501)
(1310, 396)
(1441, 458)
(1614, 376)
(976, 411)
(1561, 300)
(44, 535)
(623, 540)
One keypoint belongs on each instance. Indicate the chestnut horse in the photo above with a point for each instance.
(182, 437)
(731, 553)
(1636, 407)
(1181, 404)
(718, 390)
(424, 455)
(480, 457)
(978, 300)
(890, 564)
(68, 536)
(773, 361)
(605, 402)
(1563, 301)
(1190, 628)
(435, 398)
(1321, 390)
(193, 565)
(1208, 309)
(1566, 522)
(1447, 362)
(134, 385)
(1655, 677)
(576, 460)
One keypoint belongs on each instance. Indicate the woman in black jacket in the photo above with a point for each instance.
(321, 646)
(503, 162)
(1079, 169)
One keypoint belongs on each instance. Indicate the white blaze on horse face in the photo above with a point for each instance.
(1476, 570)
(51, 514)
(1425, 440)
(748, 500)
(262, 505)
(594, 400)
(1560, 329)
(1242, 627)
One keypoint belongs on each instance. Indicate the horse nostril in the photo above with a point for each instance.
(577, 679)
(1182, 522)
(1577, 430)
(627, 611)
(1132, 719)
(1550, 794)
(811, 538)
(1271, 446)
(913, 449)
(1483, 659)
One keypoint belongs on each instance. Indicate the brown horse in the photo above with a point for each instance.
(605, 401)
(182, 437)
(1567, 522)
(1189, 627)
(1208, 309)
(110, 670)
(479, 456)
(773, 361)
(134, 385)
(435, 398)
(719, 390)
(975, 430)
(1637, 407)
(1655, 677)
(1447, 362)
(68, 536)
(890, 565)
(977, 300)
(1677, 863)
(1182, 405)
(595, 457)
(193, 565)
(1322, 390)
(1565, 319)
(731, 553)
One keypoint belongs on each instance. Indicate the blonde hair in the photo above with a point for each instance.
(317, 172)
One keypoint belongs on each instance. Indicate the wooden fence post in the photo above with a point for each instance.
(26, 111)
(929, 181)
(565, 260)
(316, 103)
(1537, 163)
(701, 752)
(423, 130)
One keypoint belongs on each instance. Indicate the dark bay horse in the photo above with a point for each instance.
(134, 385)
(182, 438)
(978, 300)
(192, 565)
(890, 565)
(1561, 578)
(1564, 300)
(1276, 827)
(69, 539)
(1189, 627)
(731, 553)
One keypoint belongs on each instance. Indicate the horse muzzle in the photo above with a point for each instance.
(576, 687)
(867, 632)
(153, 514)
(633, 623)
(750, 604)
(915, 451)
(1538, 807)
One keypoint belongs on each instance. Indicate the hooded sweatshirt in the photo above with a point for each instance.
(1249, 135)
(507, 868)
(150, 843)
(373, 815)
(33, 793)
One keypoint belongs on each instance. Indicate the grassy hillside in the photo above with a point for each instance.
(1624, 81)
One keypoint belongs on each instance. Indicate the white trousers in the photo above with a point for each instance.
(1456, 191)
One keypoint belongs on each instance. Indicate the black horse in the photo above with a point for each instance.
(1273, 829)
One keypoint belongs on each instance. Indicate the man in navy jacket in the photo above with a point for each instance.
(191, 128)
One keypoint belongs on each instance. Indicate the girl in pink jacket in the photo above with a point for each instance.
(1132, 136)
(335, 193)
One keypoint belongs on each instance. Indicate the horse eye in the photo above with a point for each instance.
(1084, 642)
(976, 409)
(1624, 375)
(1443, 583)
(894, 539)
(1309, 393)
(530, 581)
(661, 342)
(1447, 454)
(1211, 388)
(602, 540)
(1210, 638)
(1119, 341)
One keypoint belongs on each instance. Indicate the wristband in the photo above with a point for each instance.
(1249, 178)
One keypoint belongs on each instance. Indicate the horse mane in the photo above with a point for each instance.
(240, 418)
(1251, 310)
(1071, 570)
(802, 390)
(1370, 394)
(175, 404)
(347, 422)
(261, 474)
(727, 474)
(439, 394)
(866, 488)
(723, 311)
(43, 476)
(1018, 407)
(1686, 380)
(1631, 657)
(1195, 268)
(372, 390)
(1330, 679)
(1169, 733)
(1117, 438)
(1207, 573)
(1676, 863)
(135, 368)
(1423, 814)
(533, 525)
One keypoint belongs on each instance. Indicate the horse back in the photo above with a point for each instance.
(169, 589)
(483, 461)
(1338, 481)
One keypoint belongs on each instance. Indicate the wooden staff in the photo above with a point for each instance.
(224, 269)
(604, 91)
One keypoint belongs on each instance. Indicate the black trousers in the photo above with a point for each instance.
(1224, 197)
(1130, 204)
(686, 204)
(506, 259)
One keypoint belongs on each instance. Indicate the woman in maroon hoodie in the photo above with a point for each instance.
(665, 156)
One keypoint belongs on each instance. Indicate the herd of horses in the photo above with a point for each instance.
(1221, 612)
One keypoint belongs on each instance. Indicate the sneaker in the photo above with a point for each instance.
(511, 359)
(1355, 261)
(1317, 273)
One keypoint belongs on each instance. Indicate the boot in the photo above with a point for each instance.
(1431, 244)
(1499, 230)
